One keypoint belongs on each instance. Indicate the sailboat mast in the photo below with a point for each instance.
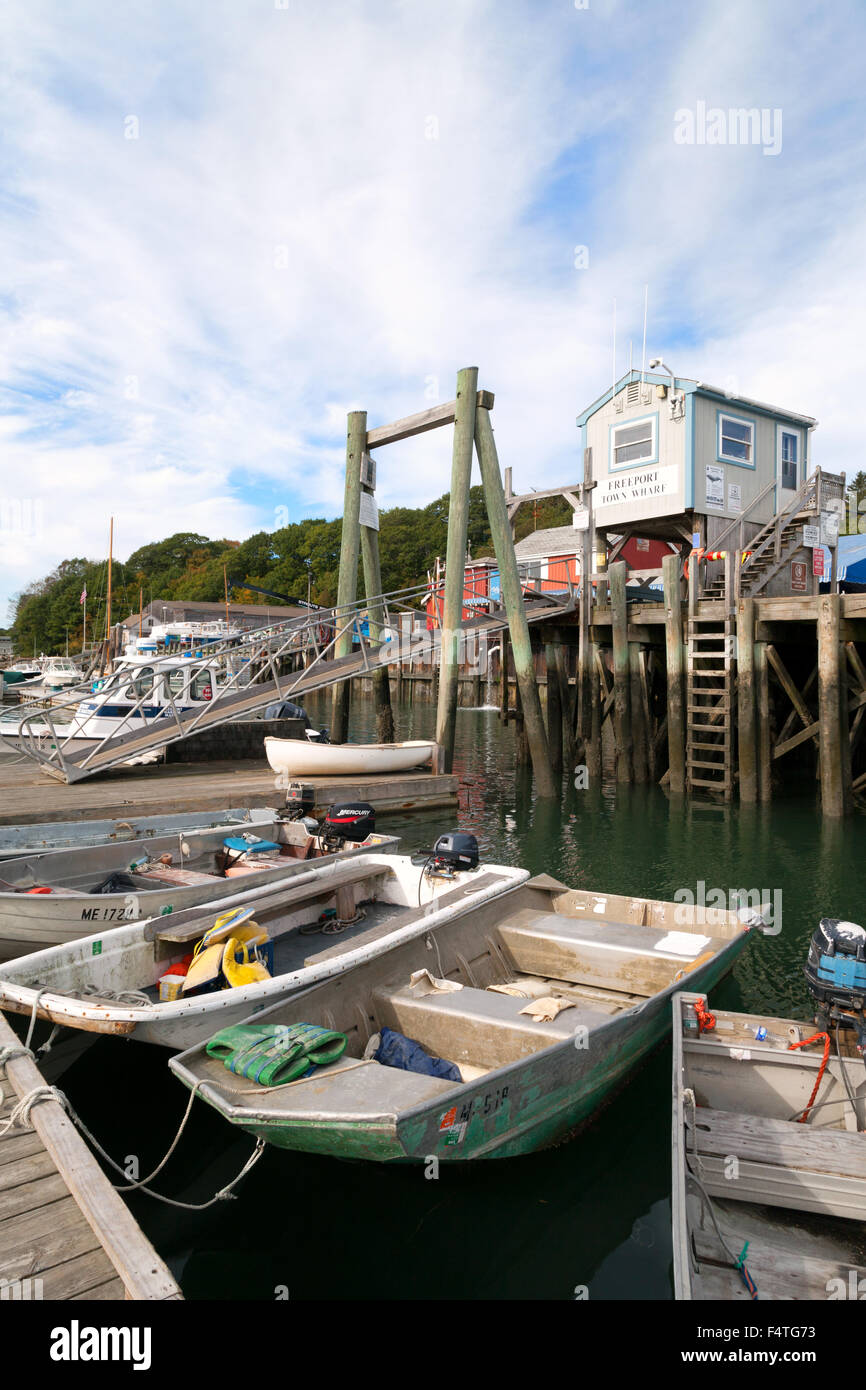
(108, 600)
(226, 584)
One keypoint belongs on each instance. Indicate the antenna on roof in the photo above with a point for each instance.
(643, 354)
(629, 356)
(613, 385)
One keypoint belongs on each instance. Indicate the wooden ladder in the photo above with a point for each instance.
(709, 706)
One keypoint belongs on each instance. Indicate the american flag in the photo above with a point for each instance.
(83, 598)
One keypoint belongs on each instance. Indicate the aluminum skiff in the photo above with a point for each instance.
(108, 983)
(610, 963)
(746, 1169)
(202, 869)
(42, 836)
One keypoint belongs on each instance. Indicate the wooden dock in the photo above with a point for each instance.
(27, 795)
(65, 1232)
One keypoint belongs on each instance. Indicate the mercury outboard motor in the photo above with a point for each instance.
(836, 975)
(350, 821)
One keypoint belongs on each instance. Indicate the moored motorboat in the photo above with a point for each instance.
(303, 758)
(51, 898)
(253, 949)
(539, 1004)
(769, 1158)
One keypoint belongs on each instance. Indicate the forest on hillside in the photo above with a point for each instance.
(190, 566)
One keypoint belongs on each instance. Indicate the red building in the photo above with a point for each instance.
(551, 558)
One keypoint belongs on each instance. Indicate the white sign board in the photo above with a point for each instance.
(715, 485)
(811, 536)
(829, 527)
(369, 512)
(637, 486)
(735, 497)
(580, 519)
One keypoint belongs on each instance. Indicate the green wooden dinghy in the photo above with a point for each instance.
(589, 980)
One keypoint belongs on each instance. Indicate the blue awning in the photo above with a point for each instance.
(852, 558)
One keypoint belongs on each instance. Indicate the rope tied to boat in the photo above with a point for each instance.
(19, 1117)
(706, 1020)
(792, 1047)
(224, 1194)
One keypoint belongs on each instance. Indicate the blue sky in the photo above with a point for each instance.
(224, 225)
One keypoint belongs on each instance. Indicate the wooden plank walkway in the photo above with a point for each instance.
(27, 795)
(61, 1221)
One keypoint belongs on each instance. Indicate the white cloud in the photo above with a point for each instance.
(190, 314)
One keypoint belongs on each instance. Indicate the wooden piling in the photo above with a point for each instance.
(592, 753)
(455, 561)
(639, 730)
(376, 620)
(675, 673)
(503, 677)
(621, 703)
(569, 756)
(747, 743)
(762, 717)
(833, 710)
(546, 784)
(347, 584)
(554, 707)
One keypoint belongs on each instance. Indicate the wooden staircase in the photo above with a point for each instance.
(709, 706)
(774, 544)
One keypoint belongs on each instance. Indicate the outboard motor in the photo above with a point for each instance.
(455, 852)
(836, 975)
(350, 821)
(300, 801)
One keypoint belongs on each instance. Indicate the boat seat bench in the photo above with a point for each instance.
(782, 1163)
(326, 887)
(609, 955)
(475, 1025)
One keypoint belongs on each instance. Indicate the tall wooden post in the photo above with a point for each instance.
(455, 563)
(762, 707)
(640, 731)
(747, 744)
(621, 711)
(593, 753)
(503, 544)
(376, 622)
(833, 710)
(347, 585)
(554, 707)
(503, 676)
(561, 655)
(675, 673)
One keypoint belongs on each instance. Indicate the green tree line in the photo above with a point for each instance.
(190, 566)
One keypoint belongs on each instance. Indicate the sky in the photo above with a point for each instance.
(226, 223)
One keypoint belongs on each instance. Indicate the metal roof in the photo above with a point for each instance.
(555, 540)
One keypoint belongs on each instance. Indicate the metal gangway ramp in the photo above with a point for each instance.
(257, 673)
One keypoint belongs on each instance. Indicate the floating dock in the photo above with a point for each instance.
(65, 1232)
(27, 795)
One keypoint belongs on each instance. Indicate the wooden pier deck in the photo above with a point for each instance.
(27, 795)
(63, 1227)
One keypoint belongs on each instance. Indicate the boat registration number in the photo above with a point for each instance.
(108, 914)
(454, 1122)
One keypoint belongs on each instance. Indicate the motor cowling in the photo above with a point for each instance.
(456, 851)
(836, 973)
(353, 821)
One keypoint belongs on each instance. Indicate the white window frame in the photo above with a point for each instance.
(721, 456)
(653, 455)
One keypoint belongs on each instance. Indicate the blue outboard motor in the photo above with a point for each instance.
(836, 975)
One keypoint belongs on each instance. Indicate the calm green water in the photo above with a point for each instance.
(593, 1212)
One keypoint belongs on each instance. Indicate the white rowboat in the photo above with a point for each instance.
(299, 758)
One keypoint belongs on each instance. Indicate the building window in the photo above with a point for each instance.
(634, 442)
(736, 440)
(790, 444)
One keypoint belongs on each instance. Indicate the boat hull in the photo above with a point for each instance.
(525, 1107)
(301, 758)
